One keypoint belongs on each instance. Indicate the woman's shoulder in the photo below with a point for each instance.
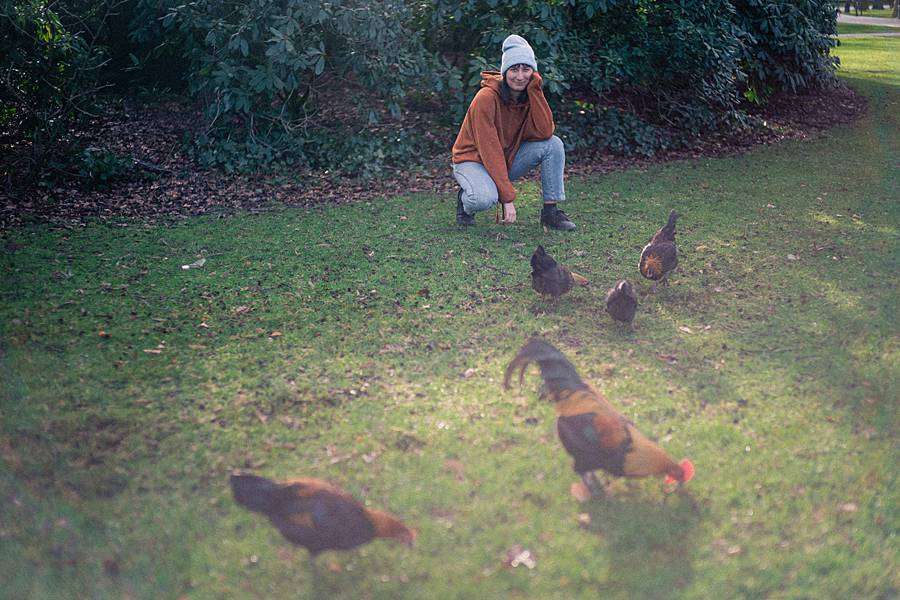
(486, 97)
(490, 82)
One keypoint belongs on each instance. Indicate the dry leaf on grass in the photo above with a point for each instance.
(580, 491)
(519, 555)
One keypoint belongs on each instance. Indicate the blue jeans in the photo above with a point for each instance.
(480, 192)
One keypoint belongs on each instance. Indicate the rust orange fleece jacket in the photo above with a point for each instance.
(492, 132)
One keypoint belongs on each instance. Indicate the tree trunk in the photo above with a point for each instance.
(896, 12)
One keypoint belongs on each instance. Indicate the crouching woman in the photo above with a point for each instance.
(506, 133)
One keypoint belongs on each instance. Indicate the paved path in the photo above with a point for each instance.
(842, 18)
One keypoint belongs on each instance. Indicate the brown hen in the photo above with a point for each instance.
(316, 514)
(660, 256)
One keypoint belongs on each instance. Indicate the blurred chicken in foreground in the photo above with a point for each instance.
(660, 256)
(590, 429)
(549, 278)
(316, 514)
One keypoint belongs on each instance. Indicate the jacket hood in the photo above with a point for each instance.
(492, 80)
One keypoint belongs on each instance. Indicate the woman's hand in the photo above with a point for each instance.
(509, 213)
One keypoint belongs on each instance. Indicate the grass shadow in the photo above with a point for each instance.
(652, 543)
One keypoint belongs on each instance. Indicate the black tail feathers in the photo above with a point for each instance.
(556, 370)
(670, 225)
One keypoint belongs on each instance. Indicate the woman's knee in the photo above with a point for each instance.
(481, 198)
(479, 191)
(556, 146)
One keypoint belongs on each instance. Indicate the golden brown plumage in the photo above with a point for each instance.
(660, 256)
(549, 278)
(316, 514)
(621, 302)
(590, 429)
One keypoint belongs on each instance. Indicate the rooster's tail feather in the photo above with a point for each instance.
(670, 225)
(558, 373)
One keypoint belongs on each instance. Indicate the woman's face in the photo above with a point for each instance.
(518, 76)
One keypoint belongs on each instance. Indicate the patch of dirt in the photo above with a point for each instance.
(176, 187)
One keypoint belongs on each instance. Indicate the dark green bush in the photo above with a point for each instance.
(281, 80)
(50, 74)
(330, 84)
(623, 72)
(98, 167)
(787, 44)
(616, 130)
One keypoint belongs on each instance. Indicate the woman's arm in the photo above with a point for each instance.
(540, 124)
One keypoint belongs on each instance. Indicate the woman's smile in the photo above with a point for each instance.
(518, 76)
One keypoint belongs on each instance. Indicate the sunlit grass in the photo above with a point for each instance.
(845, 28)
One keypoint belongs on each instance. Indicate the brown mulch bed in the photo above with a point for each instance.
(153, 135)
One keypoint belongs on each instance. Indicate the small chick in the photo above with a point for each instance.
(621, 302)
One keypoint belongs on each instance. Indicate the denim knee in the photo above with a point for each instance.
(479, 191)
(556, 146)
(482, 198)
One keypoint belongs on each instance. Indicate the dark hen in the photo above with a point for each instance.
(621, 302)
(316, 514)
(549, 278)
(660, 256)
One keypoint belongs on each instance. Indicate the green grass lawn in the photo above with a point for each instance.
(845, 28)
(772, 361)
(881, 13)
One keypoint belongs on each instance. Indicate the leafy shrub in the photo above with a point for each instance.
(276, 76)
(327, 84)
(99, 167)
(787, 44)
(642, 66)
(49, 74)
(89, 167)
(616, 130)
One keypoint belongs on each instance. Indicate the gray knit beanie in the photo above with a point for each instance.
(516, 51)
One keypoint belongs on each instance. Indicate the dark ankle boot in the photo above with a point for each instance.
(554, 218)
(462, 217)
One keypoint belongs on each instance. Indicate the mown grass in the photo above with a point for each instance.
(771, 360)
(881, 13)
(845, 28)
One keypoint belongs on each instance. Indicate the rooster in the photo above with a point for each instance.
(549, 278)
(660, 256)
(316, 514)
(590, 429)
(621, 302)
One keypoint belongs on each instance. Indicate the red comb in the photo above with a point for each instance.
(687, 468)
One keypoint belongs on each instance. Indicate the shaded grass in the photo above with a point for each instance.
(771, 360)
